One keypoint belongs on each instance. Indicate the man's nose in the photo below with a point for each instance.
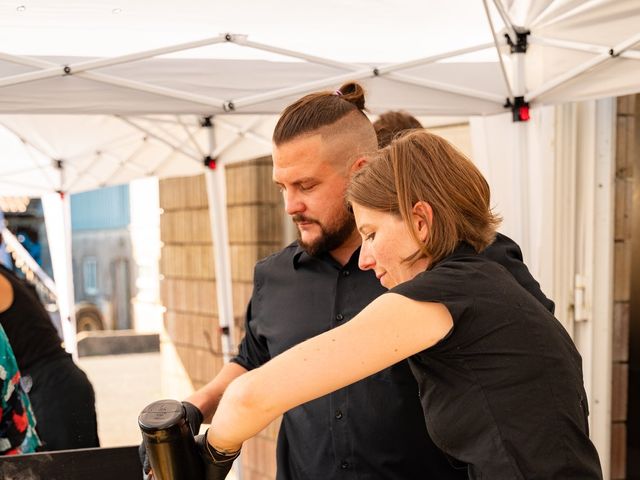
(292, 203)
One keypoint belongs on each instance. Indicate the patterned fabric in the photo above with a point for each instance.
(17, 422)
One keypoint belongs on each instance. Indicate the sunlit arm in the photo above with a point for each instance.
(208, 397)
(390, 329)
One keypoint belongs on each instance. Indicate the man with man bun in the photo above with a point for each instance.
(373, 429)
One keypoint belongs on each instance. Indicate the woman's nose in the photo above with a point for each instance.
(365, 260)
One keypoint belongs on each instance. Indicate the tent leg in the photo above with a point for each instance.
(215, 179)
(523, 179)
(217, 195)
(602, 287)
(57, 214)
(521, 157)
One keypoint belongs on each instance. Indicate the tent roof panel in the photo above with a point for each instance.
(232, 80)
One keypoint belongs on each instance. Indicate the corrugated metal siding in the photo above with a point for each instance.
(107, 208)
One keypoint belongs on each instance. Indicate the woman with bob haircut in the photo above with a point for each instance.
(500, 379)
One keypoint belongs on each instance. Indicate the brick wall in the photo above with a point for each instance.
(188, 290)
(627, 149)
(256, 220)
(187, 285)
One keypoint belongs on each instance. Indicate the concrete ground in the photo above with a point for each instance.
(124, 385)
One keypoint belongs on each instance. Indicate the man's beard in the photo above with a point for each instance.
(330, 238)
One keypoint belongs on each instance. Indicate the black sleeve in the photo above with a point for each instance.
(507, 253)
(448, 287)
(253, 351)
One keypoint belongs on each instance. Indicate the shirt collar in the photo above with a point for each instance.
(463, 249)
(300, 257)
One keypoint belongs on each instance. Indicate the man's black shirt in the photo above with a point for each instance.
(372, 429)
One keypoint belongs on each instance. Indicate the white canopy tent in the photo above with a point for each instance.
(96, 93)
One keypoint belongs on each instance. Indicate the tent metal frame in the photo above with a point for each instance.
(612, 53)
(353, 72)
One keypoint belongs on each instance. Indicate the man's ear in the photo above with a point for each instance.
(358, 164)
(422, 219)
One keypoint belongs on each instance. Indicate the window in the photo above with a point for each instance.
(90, 275)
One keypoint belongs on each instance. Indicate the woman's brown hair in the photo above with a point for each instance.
(421, 166)
(317, 110)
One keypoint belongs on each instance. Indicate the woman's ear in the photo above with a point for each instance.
(422, 219)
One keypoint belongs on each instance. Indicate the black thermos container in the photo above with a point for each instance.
(170, 445)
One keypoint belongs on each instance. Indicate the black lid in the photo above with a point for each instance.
(161, 415)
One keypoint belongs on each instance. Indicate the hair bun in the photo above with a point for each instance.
(354, 93)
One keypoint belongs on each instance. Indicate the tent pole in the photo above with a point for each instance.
(508, 24)
(522, 136)
(433, 59)
(365, 73)
(505, 77)
(58, 224)
(28, 147)
(216, 193)
(164, 162)
(134, 57)
(241, 40)
(580, 69)
(602, 289)
(241, 132)
(56, 70)
(580, 47)
(298, 89)
(447, 87)
(362, 73)
(158, 138)
(146, 87)
(190, 122)
(103, 78)
(192, 140)
(121, 164)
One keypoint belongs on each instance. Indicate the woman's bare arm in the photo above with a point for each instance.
(390, 329)
(208, 397)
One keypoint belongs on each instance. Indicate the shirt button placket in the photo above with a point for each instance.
(340, 421)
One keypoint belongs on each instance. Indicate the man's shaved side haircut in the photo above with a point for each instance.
(336, 116)
(317, 110)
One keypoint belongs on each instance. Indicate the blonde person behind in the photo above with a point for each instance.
(500, 380)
